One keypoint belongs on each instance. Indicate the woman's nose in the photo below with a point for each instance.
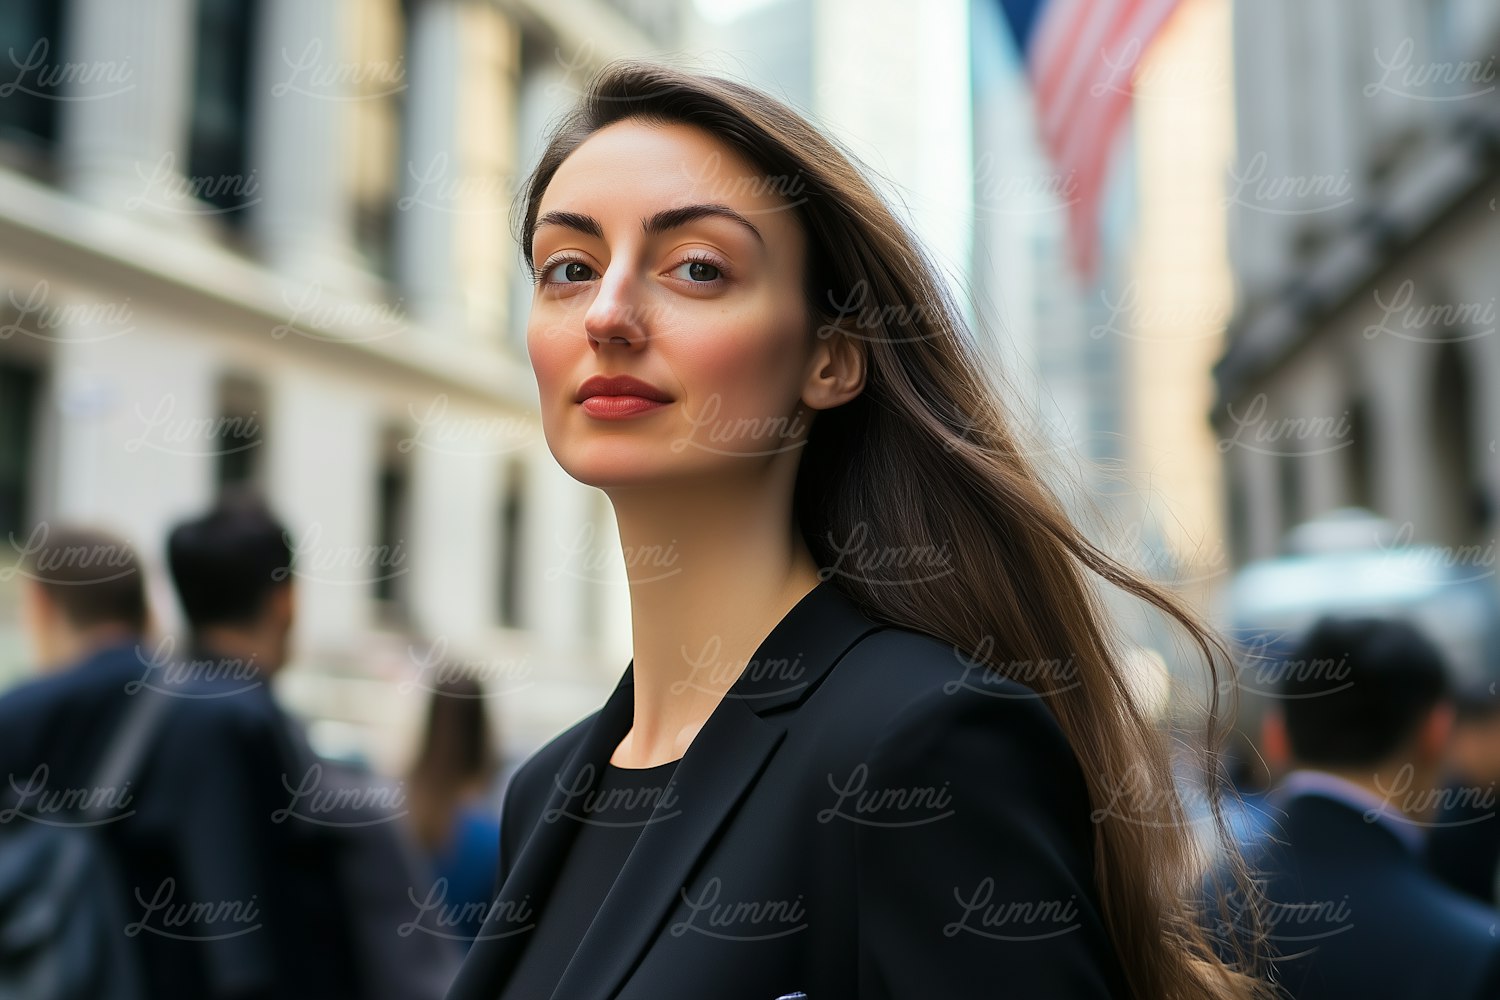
(615, 315)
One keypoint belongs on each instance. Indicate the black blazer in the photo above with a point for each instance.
(1354, 914)
(1463, 848)
(864, 814)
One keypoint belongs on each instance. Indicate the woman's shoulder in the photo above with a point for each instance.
(901, 699)
(896, 670)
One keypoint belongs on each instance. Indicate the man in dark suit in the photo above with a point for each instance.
(244, 760)
(317, 844)
(1365, 715)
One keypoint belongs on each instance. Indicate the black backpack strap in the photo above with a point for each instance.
(126, 749)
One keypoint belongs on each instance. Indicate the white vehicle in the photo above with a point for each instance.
(1351, 562)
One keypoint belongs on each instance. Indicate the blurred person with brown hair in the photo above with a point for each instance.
(83, 592)
(452, 796)
(84, 612)
(1463, 847)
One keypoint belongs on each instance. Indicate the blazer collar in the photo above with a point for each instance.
(720, 765)
(1373, 808)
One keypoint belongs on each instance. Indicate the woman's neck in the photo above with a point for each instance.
(710, 576)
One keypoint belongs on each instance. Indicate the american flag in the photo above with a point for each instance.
(1081, 57)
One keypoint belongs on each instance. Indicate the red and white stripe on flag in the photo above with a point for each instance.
(1081, 63)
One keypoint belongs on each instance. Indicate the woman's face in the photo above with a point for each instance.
(665, 257)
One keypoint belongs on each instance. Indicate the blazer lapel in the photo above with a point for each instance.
(724, 760)
(721, 765)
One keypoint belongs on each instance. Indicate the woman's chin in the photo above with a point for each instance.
(620, 469)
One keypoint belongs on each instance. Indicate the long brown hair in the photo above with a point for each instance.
(455, 759)
(926, 452)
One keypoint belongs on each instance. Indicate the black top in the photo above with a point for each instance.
(612, 814)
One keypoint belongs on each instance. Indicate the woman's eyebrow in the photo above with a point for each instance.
(667, 218)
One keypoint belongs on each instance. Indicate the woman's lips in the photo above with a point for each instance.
(618, 407)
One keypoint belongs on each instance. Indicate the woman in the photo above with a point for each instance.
(450, 804)
(875, 740)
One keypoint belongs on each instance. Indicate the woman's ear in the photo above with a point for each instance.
(836, 373)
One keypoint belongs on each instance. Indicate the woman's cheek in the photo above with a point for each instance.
(547, 352)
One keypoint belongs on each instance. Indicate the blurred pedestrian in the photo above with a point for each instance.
(316, 842)
(84, 615)
(246, 774)
(452, 796)
(1365, 717)
(1463, 848)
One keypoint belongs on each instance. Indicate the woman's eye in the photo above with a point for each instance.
(699, 271)
(573, 271)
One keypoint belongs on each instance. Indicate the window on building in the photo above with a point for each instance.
(377, 110)
(392, 531)
(539, 90)
(1455, 450)
(218, 164)
(240, 431)
(20, 389)
(30, 43)
(512, 527)
(1289, 487)
(1237, 511)
(1360, 472)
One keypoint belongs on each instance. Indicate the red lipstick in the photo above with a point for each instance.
(613, 397)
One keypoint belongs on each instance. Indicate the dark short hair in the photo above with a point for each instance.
(1355, 690)
(227, 562)
(93, 577)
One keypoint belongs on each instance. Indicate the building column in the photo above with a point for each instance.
(1322, 405)
(321, 479)
(558, 560)
(129, 412)
(124, 125)
(1398, 374)
(1396, 41)
(455, 524)
(298, 120)
(1263, 146)
(1259, 476)
(1337, 162)
(428, 209)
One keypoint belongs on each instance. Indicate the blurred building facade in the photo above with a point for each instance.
(1363, 362)
(269, 241)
